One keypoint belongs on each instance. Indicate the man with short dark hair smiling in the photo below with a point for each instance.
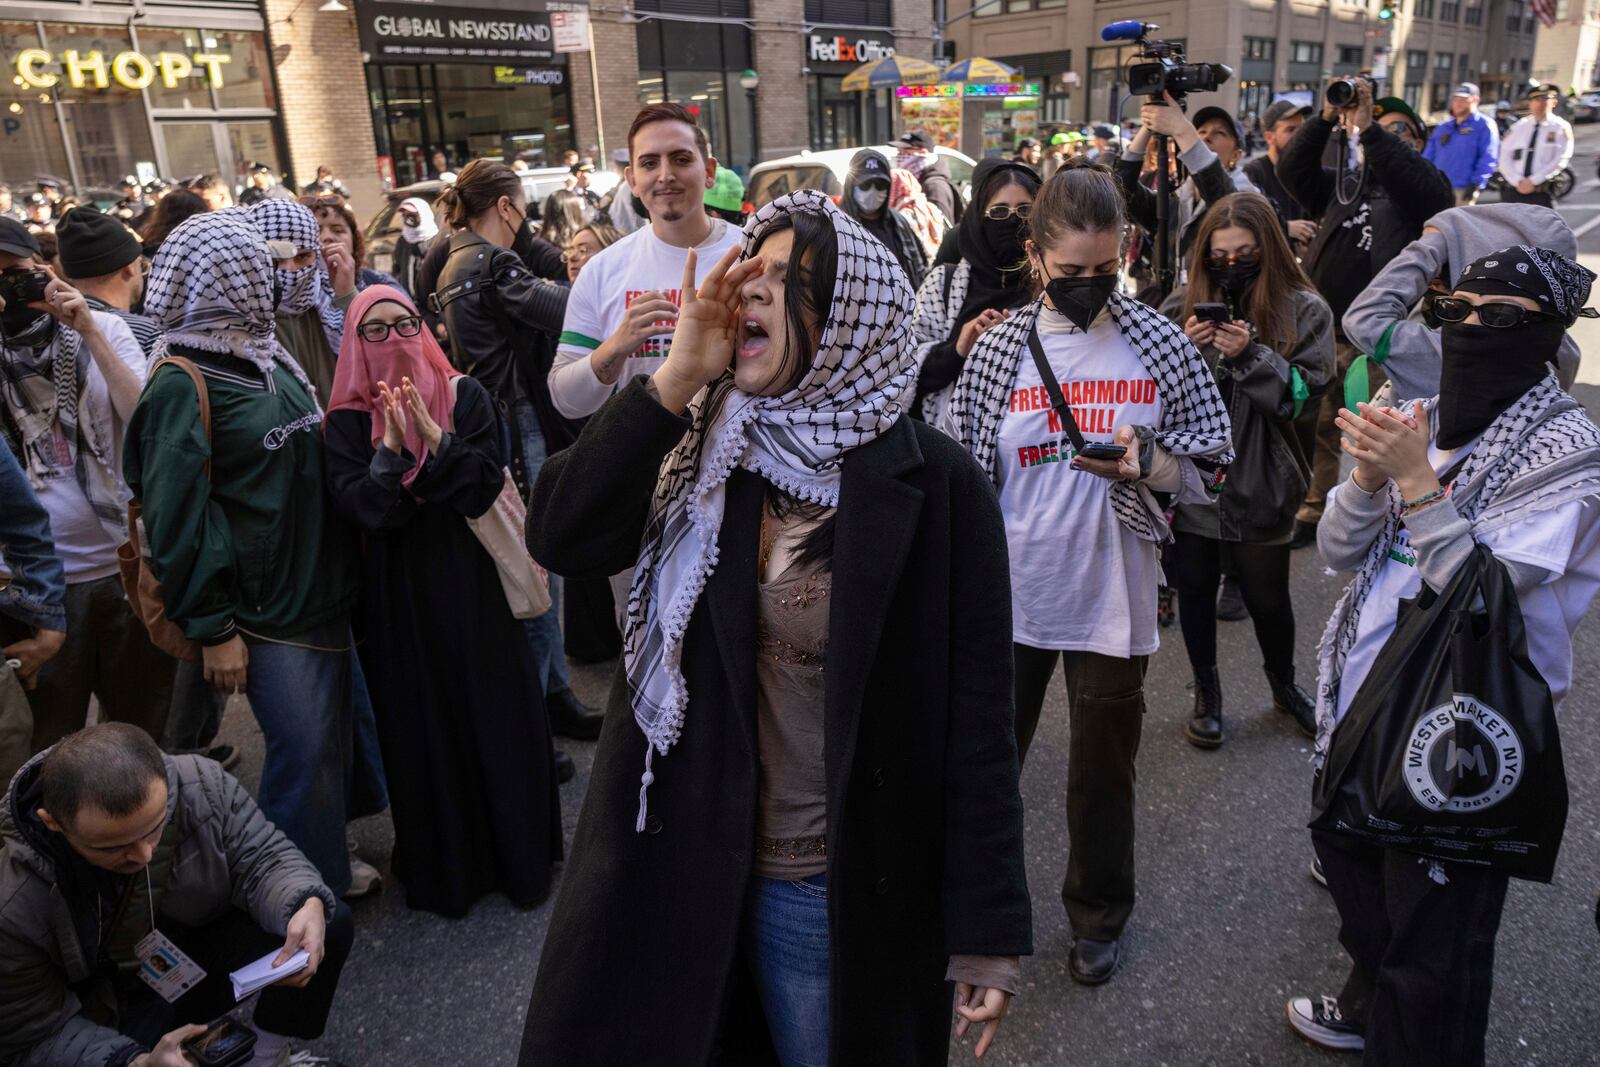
(112, 853)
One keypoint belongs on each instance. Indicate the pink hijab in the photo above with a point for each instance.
(363, 364)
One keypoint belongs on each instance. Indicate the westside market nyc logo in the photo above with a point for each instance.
(1462, 757)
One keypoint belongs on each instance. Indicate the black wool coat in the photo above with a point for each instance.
(642, 964)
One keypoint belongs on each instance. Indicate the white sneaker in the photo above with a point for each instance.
(1321, 1024)
(365, 879)
(1316, 872)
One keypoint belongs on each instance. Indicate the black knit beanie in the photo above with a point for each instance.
(94, 244)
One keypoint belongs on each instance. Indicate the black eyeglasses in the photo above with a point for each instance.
(1248, 257)
(1501, 315)
(377, 332)
(1001, 212)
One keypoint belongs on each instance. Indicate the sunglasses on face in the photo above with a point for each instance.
(377, 332)
(1500, 315)
(1001, 212)
(1245, 257)
(328, 200)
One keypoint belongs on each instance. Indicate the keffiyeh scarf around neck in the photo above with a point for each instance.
(286, 220)
(1194, 420)
(40, 391)
(1540, 453)
(860, 377)
(211, 289)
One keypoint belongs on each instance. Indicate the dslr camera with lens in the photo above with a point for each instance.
(1344, 92)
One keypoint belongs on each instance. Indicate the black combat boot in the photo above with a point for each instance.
(1205, 725)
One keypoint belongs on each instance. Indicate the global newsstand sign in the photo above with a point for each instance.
(1016, 91)
(38, 68)
(394, 31)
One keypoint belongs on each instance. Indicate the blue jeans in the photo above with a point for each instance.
(786, 943)
(369, 792)
(302, 700)
(549, 652)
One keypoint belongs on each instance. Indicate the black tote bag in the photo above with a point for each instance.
(1450, 748)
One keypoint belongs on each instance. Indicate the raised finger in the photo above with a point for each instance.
(686, 288)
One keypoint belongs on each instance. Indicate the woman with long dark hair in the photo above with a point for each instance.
(413, 452)
(1272, 356)
(564, 213)
(169, 211)
(989, 277)
(1082, 406)
(804, 817)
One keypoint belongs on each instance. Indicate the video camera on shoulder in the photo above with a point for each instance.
(1166, 69)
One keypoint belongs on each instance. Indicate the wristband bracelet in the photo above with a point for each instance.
(1427, 498)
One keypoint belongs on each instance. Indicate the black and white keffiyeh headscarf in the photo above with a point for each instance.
(860, 377)
(1194, 420)
(307, 289)
(211, 289)
(1538, 454)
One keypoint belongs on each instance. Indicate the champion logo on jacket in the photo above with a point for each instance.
(279, 436)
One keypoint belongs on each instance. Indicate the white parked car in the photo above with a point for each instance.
(828, 169)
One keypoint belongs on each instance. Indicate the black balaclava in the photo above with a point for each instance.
(1484, 370)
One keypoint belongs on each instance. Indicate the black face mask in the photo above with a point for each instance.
(522, 243)
(1485, 370)
(1081, 299)
(1004, 238)
(24, 327)
(1236, 278)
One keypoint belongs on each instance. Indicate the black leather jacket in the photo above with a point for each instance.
(503, 320)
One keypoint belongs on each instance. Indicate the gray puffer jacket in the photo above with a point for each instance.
(227, 855)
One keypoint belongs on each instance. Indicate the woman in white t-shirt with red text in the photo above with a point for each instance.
(1084, 532)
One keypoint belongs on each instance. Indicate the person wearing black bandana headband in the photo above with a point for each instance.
(1504, 460)
(983, 281)
(1272, 357)
(1084, 503)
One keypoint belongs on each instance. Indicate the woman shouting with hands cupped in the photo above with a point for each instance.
(784, 847)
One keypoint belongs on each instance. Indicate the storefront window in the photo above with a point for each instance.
(192, 90)
(499, 113)
(106, 126)
(704, 64)
(247, 76)
(468, 110)
(837, 115)
(30, 138)
(191, 149)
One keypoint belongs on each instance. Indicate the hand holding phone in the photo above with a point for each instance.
(1216, 314)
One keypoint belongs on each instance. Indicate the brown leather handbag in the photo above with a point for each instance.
(138, 580)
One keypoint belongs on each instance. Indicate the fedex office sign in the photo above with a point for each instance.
(838, 48)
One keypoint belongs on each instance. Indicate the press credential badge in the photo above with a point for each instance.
(165, 967)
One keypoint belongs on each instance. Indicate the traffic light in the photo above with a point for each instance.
(1385, 12)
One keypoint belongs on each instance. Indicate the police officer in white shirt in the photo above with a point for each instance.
(1535, 150)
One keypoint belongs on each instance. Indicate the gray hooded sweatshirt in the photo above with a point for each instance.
(1464, 234)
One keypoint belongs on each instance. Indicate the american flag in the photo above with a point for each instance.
(1545, 9)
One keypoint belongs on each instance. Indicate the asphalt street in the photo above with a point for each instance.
(1228, 924)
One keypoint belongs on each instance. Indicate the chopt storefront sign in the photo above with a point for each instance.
(421, 33)
(825, 46)
(38, 69)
